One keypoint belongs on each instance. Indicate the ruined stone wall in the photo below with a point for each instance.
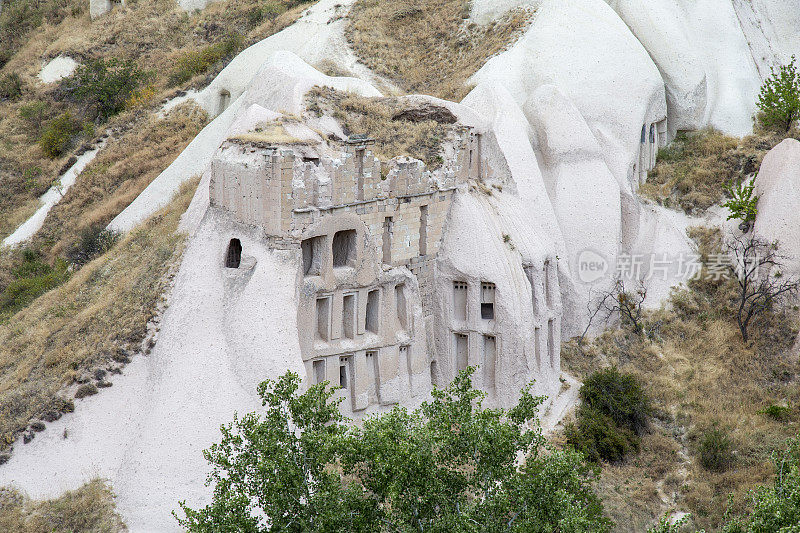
(367, 237)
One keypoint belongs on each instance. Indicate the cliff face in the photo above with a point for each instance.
(489, 260)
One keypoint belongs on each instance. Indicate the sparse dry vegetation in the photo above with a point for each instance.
(153, 33)
(96, 317)
(384, 120)
(711, 434)
(692, 171)
(88, 509)
(122, 170)
(428, 47)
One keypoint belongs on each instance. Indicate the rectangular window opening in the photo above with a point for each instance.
(400, 300)
(487, 301)
(405, 355)
(323, 318)
(489, 361)
(344, 373)
(373, 375)
(423, 230)
(373, 311)
(349, 316)
(360, 174)
(387, 240)
(460, 300)
(318, 368)
(344, 248)
(312, 255)
(462, 351)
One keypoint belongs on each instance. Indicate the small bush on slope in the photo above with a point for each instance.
(715, 449)
(57, 135)
(104, 87)
(88, 509)
(30, 280)
(198, 62)
(613, 415)
(449, 466)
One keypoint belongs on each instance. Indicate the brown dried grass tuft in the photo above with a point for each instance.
(374, 117)
(690, 172)
(428, 47)
(90, 508)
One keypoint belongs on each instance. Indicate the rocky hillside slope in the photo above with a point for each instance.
(574, 99)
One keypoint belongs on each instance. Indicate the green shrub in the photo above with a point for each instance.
(193, 63)
(742, 203)
(93, 242)
(449, 466)
(781, 413)
(10, 87)
(715, 450)
(776, 508)
(105, 86)
(32, 279)
(613, 414)
(34, 114)
(619, 396)
(597, 437)
(57, 135)
(779, 101)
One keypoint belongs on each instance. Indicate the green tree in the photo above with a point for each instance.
(105, 86)
(779, 100)
(449, 466)
(776, 508)
(743, 203)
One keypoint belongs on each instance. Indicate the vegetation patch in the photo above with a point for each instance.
(693, 171)
(450, 465)
(198, 62)
(57, 135)
(104, 87)
(122, 170)
(428, 47)
(388, 121)
(89, 508)
(613, 415)
(29, 280)
(699, 374)
(100, 313)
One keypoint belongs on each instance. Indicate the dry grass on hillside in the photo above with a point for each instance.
(154, 33)
(88, 509)
(90, 320)
(120, 172)
(374, 117)
(700, 375)
(692, 170)
(428, 47)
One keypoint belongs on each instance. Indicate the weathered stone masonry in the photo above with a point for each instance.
(367, 236)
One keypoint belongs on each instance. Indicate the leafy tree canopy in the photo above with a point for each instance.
(449, 466)
(779, 100)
